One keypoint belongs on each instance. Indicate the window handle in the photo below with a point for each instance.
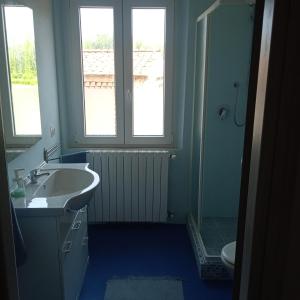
(128, 95)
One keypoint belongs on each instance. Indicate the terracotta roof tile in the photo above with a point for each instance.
(100, 62)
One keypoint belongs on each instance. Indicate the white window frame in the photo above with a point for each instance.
(128, 6)
(13, 140)
(123, 83)
(73, 59)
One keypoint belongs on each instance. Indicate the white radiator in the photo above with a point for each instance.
(133, 186)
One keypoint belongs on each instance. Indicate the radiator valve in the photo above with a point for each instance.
(171, 215)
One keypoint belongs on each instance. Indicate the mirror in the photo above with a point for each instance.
(19, 80)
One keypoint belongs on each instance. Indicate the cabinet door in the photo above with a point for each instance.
(39, 277)
(83, 251)
(69, 267)
(75, 256)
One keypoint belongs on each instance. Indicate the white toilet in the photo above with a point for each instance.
(228, 257)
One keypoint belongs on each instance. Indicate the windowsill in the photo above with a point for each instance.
(12, 153)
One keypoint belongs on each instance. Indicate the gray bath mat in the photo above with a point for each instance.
(144, 288)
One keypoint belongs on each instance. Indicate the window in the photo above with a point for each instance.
(97, 50)
(22, 107)
(148, 48)
(121, 87)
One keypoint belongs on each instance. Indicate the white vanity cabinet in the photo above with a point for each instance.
(57, 248)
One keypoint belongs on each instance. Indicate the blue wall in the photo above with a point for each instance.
(42, 11)
(178, 201)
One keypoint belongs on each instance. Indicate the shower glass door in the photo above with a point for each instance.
(220, 111)
(199, 92)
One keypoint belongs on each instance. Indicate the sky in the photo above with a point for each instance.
(148, 24)
(19, 24)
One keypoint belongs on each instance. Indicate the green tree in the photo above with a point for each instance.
(22, 63)
(101, 42)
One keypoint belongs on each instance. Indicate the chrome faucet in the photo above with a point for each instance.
(34, 175)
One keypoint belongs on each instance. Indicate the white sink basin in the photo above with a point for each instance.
(65, 181)
(74, 185)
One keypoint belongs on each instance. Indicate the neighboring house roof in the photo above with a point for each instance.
(100, 62)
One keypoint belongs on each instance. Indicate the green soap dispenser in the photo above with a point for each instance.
(19, 191)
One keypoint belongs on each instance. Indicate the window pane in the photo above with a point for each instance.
(23, 72)
(97, 38)
(148, 37)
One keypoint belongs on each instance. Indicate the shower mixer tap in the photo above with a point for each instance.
(223, 113)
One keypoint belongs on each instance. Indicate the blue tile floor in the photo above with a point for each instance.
(148, 251)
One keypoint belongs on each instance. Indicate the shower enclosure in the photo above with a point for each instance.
(223, 51)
